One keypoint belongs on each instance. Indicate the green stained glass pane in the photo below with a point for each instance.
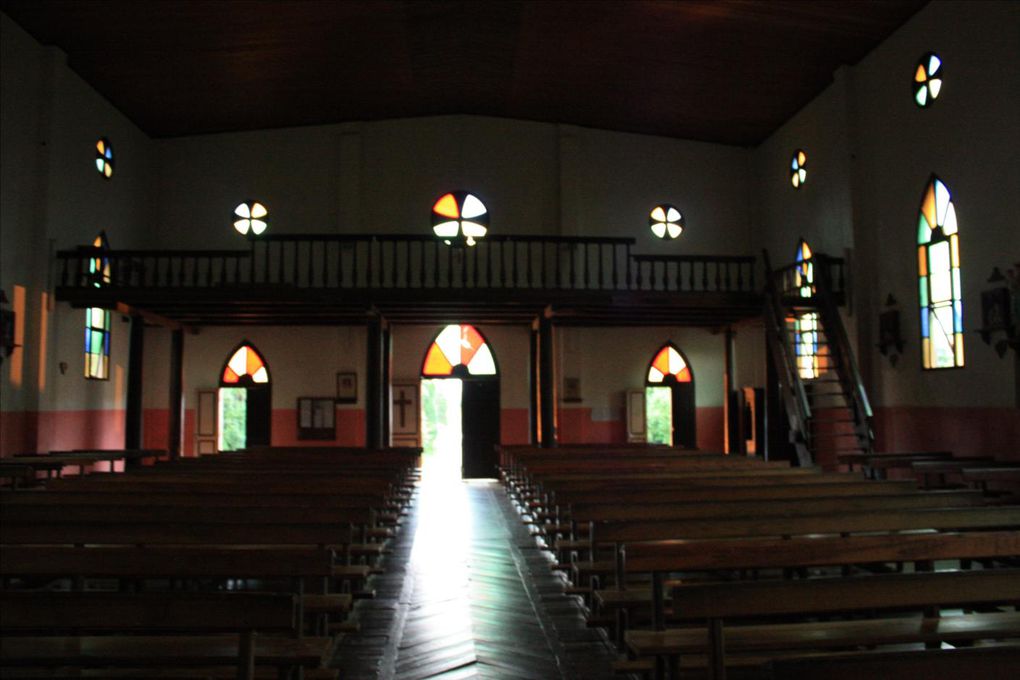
(97, 342)
(922, 95)
(923, 231)
(923, 290)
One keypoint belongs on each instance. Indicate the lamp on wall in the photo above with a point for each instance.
(1000, 310)
(890, 342)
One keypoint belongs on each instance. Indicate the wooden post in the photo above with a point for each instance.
(547, 381)
(535, 419)
(728, 420)
(373, 384)
(136, 353)
(176, 400)
(386, 368)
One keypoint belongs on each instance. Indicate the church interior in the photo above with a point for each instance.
(443, 339)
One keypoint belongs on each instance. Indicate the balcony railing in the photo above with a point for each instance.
(364, 262)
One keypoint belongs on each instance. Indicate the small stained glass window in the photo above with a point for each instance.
(459, 217)
(251, 216)
(668, 362)
(939, 290)
(245, 366)
(666, 221)
(104, 157)
(458, 349)
(927, 80)
(798, 169)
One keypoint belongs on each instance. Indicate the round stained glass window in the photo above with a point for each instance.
(666, 221)
(459, 217)
(251, 216)
(798, 169)
(104, 157)
(927, 80)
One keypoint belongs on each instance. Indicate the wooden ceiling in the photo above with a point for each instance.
(728, 71)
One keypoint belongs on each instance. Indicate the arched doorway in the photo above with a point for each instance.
(245, 403)
(460, 404)
(670, 411)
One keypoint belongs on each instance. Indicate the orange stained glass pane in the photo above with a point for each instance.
(922, 261)
(447, 207)
(470, 341)
(926, 351)
(253, 363)
(684, 375)
(928, 205)
(436, 363)
(801, 158)
(100, 147)
(661, 361)
(920, 75)
(229, 376)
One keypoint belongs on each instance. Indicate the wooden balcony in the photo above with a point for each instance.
(336, 279)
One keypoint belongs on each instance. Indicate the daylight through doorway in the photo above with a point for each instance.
(233, 418)
(659, 415)
(442, 451)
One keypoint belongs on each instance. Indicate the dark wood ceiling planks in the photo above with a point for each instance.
(727, 71)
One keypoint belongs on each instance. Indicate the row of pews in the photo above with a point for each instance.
(241, 565)
(705, 565)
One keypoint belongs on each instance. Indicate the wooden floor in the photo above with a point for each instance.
(467, 594)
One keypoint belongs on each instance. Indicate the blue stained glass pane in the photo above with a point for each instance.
(924, 322)
(88, 339)
(958, 317)
(106, 344)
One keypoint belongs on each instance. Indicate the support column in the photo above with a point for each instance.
(534, 415)
(387, 372)
(136, 355)
(729, 422)
(176, 400)
(373, 384)
(547, 381)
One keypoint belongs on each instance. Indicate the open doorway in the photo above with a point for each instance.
(670, 414)
(244, 401)
(460, 405)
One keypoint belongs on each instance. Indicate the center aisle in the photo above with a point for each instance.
(468, 594)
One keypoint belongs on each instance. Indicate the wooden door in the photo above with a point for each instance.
(684, 416)
(480, 428)
(258, 416)
(207, 425)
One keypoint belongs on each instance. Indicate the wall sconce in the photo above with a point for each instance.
(1000, 309)
(63, 367)
(890, 342)
(7, 318)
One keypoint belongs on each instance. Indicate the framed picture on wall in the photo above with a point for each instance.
(404, 409)
(346, 388)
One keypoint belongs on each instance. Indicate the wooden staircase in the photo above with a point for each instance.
(827, 408)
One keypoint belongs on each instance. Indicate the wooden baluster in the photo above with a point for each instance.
(502, 264)
(513, 264)
(449, 266)
(740, 276)
(393, 263)
(629, 256)
(573, 271)
(640, 277)
(704, 275)
(587, 268)
(616, 268)
(718, 275)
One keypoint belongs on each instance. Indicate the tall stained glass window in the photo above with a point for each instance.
(938, 263)
(458, 350)
(245, 367)
(97, 319)
(806, 326)
(927, 80)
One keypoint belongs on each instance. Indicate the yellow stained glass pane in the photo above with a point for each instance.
(801, 158)
(659, 229)
(242, 210)
(658, 214)
(928, 205)
(935, 85)
(674, 229)
(446, 206)
(258, 210)
(795, 180)
(100, 146)
(925, 351)
(108, 170)
(954, 253)
(436, 363)
(958, 346)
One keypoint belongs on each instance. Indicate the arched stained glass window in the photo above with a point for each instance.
(459, 349)
(459, 216)
(927, 80)
(104, 157)
(938, 262)
(668, 362)
(97, 319)
(806, 326)
(245, 366)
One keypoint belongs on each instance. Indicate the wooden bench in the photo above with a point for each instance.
(874, 464)
(718, 602)
(154, 630)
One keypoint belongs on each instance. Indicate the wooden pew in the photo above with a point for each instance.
(1005, 475)
(868, 461)
(54, 629)
(715, 603)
